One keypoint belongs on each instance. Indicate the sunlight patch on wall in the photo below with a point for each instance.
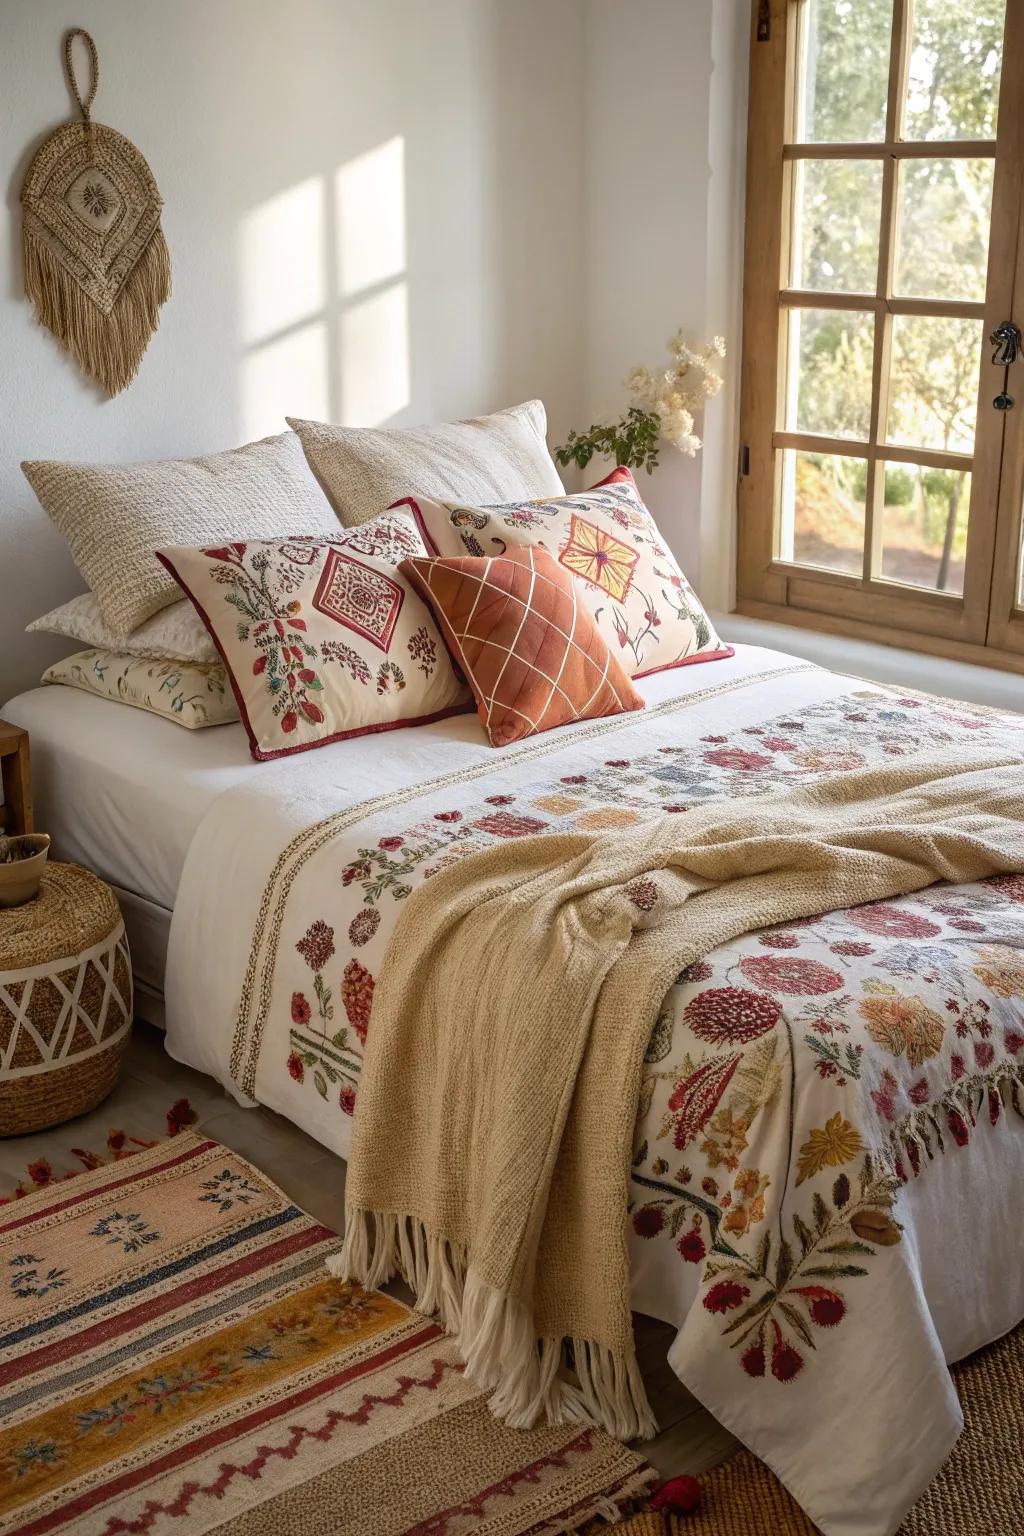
(374, 341)
(370, 209)
(286, 377)
(283, 261)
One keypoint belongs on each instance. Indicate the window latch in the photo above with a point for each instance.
(1005, 341)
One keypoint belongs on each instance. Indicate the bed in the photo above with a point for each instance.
(285, 880)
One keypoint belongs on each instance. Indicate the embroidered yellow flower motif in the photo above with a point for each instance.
(750, 1184)
(904, 1025)
(599, 557)
(833, 1145)
(726, 1138)
(1001, 969)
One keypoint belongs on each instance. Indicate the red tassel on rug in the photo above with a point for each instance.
(679, 1496)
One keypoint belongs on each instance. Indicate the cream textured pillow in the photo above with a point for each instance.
(115, 515)
(190, 693)
(176, 632)
(503, 457)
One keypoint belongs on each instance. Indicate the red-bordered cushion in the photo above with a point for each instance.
(322, 638)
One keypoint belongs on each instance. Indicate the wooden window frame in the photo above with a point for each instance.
(986, 624)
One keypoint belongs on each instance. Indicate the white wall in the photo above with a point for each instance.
(386, 210)
(665, 135)
(438, 276)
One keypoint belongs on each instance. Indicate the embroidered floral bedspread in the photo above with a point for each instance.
(800, 1079)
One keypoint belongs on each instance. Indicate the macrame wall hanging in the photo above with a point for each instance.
(97, 267)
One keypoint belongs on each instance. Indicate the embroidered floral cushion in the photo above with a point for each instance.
(645, 607)
(323, 638)
(191, 693)
(529, 647)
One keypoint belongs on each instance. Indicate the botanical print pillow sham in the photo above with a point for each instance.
(114, 516)
(645, 607)
(191, 693)
(176, 632)
(529, 646)
(488, 458)
(322, 638)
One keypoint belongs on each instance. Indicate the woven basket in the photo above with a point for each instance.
(65, 1001)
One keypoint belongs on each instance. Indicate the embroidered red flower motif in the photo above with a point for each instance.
(391, 844)
(617, 762)
(736, 757)
(779, 744)
(793, 977)
(447, 815)
(731, 1015)
(957, 1067)
(695, 1099)
(852, 948)
(698, 971)
(752, 1360)
(295, 1068)
(363, 926)
(643, 894)
(505, 824)
(357, 997)
(1013, 1040)
(1010, 885)
(301, 1011)
(500, 799)
(289, 720)
(917, 1093)
(648, 1220)
(347, 1100)
(779, 940)
(691, 1247)
(725, 1295)
(886, 1096)
(984, 1053)
(786, 1361)
(893, 922)
(995, 1106)
(316, 945)
(826, 1307)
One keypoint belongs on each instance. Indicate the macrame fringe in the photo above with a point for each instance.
(108, 347)
(920, 1134)
(495, 1335)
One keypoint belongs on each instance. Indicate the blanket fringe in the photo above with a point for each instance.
(920, 1133)
(495, 1335)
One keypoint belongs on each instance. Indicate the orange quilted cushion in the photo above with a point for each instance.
(524, 639)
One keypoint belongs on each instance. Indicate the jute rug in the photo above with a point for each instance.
(979, 1492)
(175, 1357)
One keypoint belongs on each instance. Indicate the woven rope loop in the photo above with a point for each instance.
(69, 69)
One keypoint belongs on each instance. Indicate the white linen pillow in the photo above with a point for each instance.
(362, 470)
(115, 515)
(176, 632)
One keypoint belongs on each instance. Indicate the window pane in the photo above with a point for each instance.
(844, 70)
(955, 61)
(924, 526)
(823, 510)
(945, 212)
(836, 216)
(933, 393)
(830, 372)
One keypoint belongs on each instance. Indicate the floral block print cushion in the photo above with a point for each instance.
(323, 638)
(644, 606)
(191, 693)
(530, 649)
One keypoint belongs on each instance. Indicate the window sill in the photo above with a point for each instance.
(880, 663)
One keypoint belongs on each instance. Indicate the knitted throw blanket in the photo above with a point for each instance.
(493, 1136)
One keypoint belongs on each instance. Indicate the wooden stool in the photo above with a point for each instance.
(16, 810)
(65, 1001)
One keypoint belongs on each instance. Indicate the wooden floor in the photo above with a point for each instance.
(690, 1439)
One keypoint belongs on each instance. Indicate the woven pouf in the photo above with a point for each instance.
(65, 1000)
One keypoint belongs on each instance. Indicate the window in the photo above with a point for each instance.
(881, 489)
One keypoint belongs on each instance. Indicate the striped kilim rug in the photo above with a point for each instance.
(174, 1358)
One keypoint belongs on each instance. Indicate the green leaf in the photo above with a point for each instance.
(783, 1265)
(849, 1247)
(835, 1271)
(796, 1321)
(821, 1215)
(804, 1234)
(764, 1249)
(321, 1084)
